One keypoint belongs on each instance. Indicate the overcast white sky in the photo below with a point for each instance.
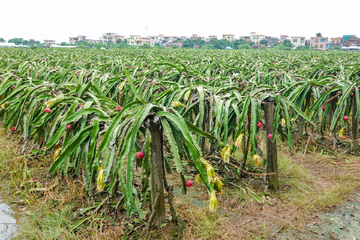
(58, 20)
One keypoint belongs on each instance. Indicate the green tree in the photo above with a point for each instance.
(222, 43)
(15, 40)
(240, 41)
(208, 46)
(287, 44)
(123, 45)
(110, 45)
(2, 40)
(189, 43)
(175, 46)
(262, 48)
(264, 42)
(304, 48)
(145, 46)
(243, 46)
(118, 41)
(318, 35)
(82, 42)
(158, 46)
(216, 43)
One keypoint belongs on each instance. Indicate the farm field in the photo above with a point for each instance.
(178, 144)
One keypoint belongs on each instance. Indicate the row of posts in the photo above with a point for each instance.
(272, 163)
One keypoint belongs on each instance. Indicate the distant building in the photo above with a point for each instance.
(307, 42)
(179, 44)
(157, 39)
(346, 39)
(165, 41)
(117, 37)
(229, 37)
(134, 40)
(73, 40)
(211, 37)
(319, 43)
(195, 36)
(270, 41)
(246, 38)
(256, 38)
(108, 37)
(82, 38)
(354, 41)
(297, 41)
(336, 42)
(283, 37)
(47, 42)
(351, 41)
(168, 40)
(137, 40)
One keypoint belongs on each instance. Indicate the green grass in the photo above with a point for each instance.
(42, 219)
(44, 224)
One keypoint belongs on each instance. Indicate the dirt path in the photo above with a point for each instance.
(7, 222)
(341, 222)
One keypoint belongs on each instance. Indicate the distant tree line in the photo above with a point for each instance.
(188, 43)
(216, 43)
(18, 41)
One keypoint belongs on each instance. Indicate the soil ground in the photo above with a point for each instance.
(318, 198)
(341, 222)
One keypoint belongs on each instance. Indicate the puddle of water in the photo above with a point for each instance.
(7, 222)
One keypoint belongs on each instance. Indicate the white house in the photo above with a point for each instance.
(297, 41)
(256, 38)
(137, 40)
(229, 37)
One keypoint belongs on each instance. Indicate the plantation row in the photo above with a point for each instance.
(104, 114)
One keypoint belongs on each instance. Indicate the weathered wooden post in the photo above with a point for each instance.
(204, 127)
(300, 123)
(355, 126)
(272, 165)
(157, 174)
